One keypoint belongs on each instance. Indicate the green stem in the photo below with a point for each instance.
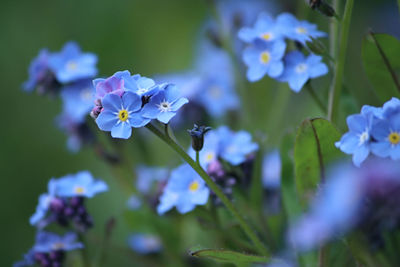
(336, 87)
(198, 157)
(333, 32)
(314, 96)
(214, 187)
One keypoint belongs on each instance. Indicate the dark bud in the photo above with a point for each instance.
(197, 134)
(322, 7)
(316, 46)
(76, 201)
(69, 211)
(57, 205)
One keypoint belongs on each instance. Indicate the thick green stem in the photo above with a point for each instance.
(336, 87)
(214, 187)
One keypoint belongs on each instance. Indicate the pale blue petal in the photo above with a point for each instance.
(275, 69)
(106, 120)
(131, 101)
(112, 102)
(165, 117)
(179, 103)
(122, 130)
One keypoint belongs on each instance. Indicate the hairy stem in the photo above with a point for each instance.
(336, 87)
(214, 187)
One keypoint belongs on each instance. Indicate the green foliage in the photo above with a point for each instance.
(380, 53)
(314, 148)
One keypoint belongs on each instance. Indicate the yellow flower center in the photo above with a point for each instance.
(209, 156)
(123, 115)
(79, 190)
(194, 186)
(394, 138)
(265, 57)
(72, 65)
(58, 246)
(301, 30)
(266, 36)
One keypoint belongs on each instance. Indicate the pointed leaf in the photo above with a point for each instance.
(223, 255)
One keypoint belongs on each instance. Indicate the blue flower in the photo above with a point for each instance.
(141, 85)
(296, 30)
(134, 202)
(29, 260)
(38, 70)
(265, 29)
(120, 114)
(235, 146)
(146, 176)
(44, 203)
(145, 243)
(81, 184)
(78, 100)
(271, 170)
(386, 132)
(358, 140)
(299, 69)
(47, 242)
(164, 104)
(71, 64)
(185, 189)
(264, 58)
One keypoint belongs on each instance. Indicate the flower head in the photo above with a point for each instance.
(185, 189)
(145, 243)
(299, 69)
(71, 64)
(297, 30)
(81, 184)
(264, 58)
(44, 203)
(47, 242)
(264, 29)
(120, 114)
(271, 170)
(38, 70)
(164, 104)
(146, 176)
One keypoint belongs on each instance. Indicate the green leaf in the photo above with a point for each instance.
(314, 148)
(223, 255)
(380, 54)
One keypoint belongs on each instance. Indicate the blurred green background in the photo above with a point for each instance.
(144, 36)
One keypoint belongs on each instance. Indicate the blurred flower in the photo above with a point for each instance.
(185, 189)
(147, 175)
(264, 58)
(71, 64)
(271, 170)
(38, 70)
(235, 146)
(78, 99)
(164, 104)
(119, 115)
(134, 202)
(265, 29)
(44, 203)
(299, 69)
(81, 184)
(49, 249)
(145, 243)
(296, 30)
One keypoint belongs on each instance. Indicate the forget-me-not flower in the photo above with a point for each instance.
(120, 114)
(185, 189)
(299, 69)
(164, 104)
(265, 29)
(47, 242)
(113, 84)
(81, 184)
(44, 203)
(140, 85)
(146, 176)
(71, 64)
(38, 69)
(297, 30)
(264, 58)
(145, 243)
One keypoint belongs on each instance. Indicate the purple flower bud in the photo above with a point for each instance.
(68, 211)
(57, 205)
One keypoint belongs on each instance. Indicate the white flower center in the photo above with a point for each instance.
(363, 137)
(72, 65)
(164, 106)
(301, 30)
(300, 68)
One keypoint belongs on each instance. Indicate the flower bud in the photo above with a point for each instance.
(197, 134)
(322, 7)
(316, 46)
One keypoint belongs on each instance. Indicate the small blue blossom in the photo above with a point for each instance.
(145, 243)
(235, 147)
(146, 176)
(81, 184)
(71, 64)
(44, 203)
(47, 242)
(38, 70)
(164, 104)
(271, 170)
(264, 58)
(358, 140)
(78, 100)
(299, 69)
(134, 202)
(120, 114)
(185, 189)
(29, 260)
(386, 132)
(296, 30)
(265, 29)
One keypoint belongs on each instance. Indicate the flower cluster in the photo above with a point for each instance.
(67, 73)
(375, 130)
(266, 53)
(49, 249)
(124, 101)
(145, 243)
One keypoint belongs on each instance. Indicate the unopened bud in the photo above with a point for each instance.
(197, 134)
